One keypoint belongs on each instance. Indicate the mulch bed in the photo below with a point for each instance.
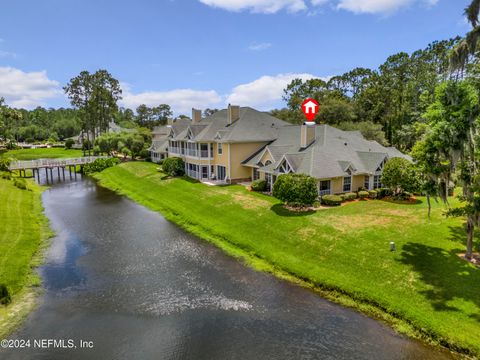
(475, 260)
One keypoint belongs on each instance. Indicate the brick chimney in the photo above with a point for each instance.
(196, 115)
(307, 134)
(233, 113)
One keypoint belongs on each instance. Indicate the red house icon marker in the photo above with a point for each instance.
(310, 108)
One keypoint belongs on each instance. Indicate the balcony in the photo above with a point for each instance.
(193, 153)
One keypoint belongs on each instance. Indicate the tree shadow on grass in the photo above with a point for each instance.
(447, 276)
(458, 234)
(189, 179)
(280, 210)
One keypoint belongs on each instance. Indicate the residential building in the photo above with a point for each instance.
(159, 148)
(242, 144)
(341, 161)
(214, 147)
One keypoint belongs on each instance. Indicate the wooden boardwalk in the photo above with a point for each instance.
(50, 164)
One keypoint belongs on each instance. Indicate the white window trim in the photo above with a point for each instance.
(219, 149)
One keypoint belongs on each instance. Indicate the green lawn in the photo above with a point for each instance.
(24, 229)
(32, 154)
(344, 251)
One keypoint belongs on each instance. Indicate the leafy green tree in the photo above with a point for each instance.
(95, 96)
(173, 166)
(450, 146)
(149, 117)
(207, 112)
(368, 129)
(296, 189)
(399, 176)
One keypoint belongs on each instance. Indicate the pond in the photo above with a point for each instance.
(132, 285)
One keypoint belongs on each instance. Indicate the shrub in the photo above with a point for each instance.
(382, 192)
(145, 154)
(4, 164)
(173, 166)
(99, 165)
(332, 200)
(20, 183)
(296, 189)
(372, 194)
(5, 297)
(363, 194)
(403, 196)
(11, 145)
(350, 196)
(69, 143)
(5, 175)
(86, 145)
(399, 175)
(259, 185)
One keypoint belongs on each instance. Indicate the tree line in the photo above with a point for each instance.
(385, 104)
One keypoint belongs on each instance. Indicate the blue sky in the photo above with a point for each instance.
(206, 53)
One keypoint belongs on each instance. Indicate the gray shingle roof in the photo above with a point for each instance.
(332, 153)
(252, 126)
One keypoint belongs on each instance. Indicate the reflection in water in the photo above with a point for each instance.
(141, 288)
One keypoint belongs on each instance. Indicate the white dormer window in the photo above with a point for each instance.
(285, 167)
(189, 134)
(268, 162)
(382, 164)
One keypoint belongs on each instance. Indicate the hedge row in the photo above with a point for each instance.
(99, 165)
(335, 200)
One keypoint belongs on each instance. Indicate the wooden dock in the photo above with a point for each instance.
(50, 164)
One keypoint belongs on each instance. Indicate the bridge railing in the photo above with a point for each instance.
(46, 163)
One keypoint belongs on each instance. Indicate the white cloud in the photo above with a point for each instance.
(259, 46)
(4, 54)
(180, 100)
(26, 89)
(265, 92)
(355, 6)
(257, 6)
(372, 6)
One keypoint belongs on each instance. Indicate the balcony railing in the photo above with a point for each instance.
(202, 154)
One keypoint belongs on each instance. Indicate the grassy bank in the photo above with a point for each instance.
(24, 230)
(33, 154)
(423, 289)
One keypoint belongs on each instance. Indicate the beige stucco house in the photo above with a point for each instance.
(342, 161)
(215, 147)
(242, 144)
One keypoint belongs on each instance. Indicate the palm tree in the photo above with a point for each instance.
(468, 46)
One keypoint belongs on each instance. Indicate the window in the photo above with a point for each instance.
(285, 168)
(204, 150)
(377, 181)
(380, 167)
(324, 188)
(347, 184)
(219, 148)
(268, 162)
(366, 183)
(256, 174)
